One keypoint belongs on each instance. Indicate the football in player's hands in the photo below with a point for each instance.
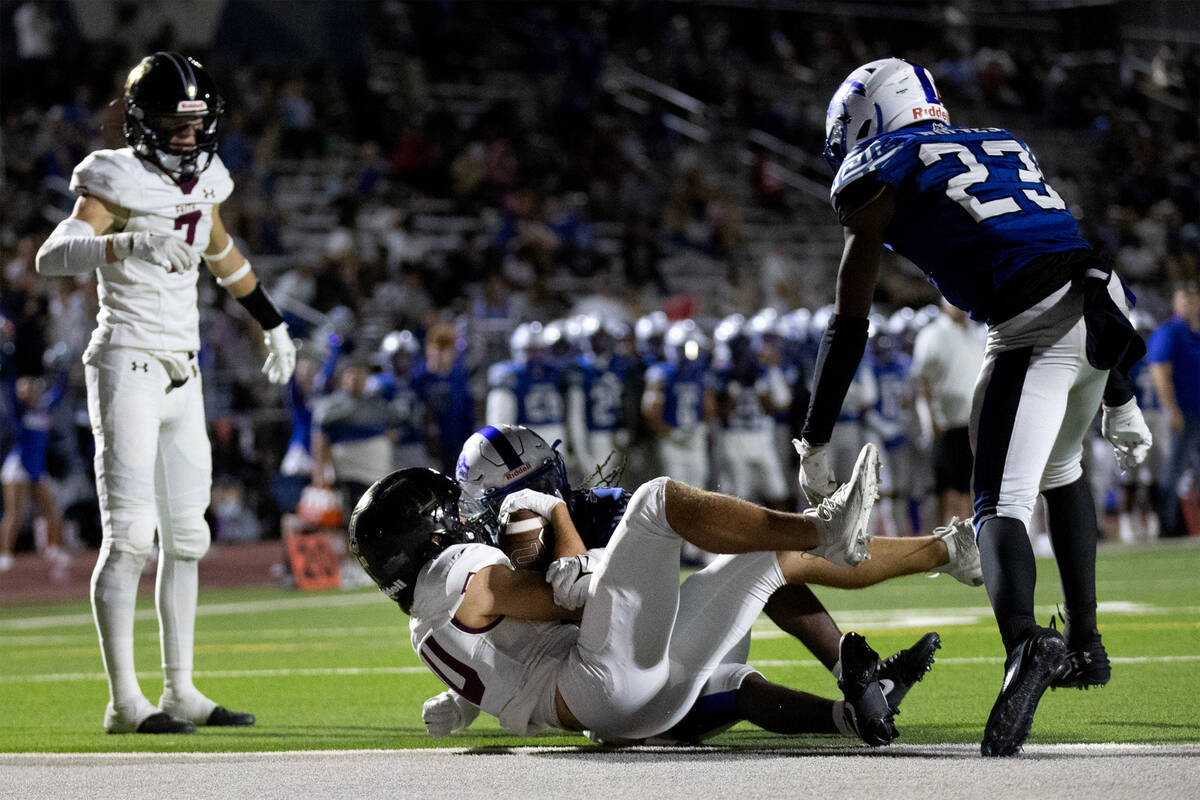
(525, 537)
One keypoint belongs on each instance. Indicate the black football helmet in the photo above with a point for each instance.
(404, 521)
(162, 92)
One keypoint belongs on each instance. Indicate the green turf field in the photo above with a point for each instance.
(333, 671)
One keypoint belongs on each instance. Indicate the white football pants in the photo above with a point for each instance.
(1034, 401)
(153, 472)
(647, 645)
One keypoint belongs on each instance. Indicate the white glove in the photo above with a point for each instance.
(1125, 429)
(281, 360)
(174, 255)
(538, 502)
(446, 713)
(571, 578)
(816, 473)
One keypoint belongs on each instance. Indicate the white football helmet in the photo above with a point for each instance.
(498, 460)
(649, 332)
(685, 341)
(877, 98)
(529, 340)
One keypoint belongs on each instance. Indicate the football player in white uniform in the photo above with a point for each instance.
(144, 215)
(645, 648)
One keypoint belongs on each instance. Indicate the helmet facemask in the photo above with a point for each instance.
(487, 477)
(483, 511)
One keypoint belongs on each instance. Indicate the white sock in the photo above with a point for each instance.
(836, 670)
(114, 598)
(176, 593)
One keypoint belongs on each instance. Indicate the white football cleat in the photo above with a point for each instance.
(842, 518)
(959, 537)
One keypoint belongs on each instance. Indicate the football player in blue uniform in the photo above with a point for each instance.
(528, 390)
(398, 353)
(679, 403)
(970, 208)
(888, 424)
(749, 393)
(597, 419)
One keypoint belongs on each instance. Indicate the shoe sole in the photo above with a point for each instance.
(922, 654)
(865, 479)
(1011, 720)
(860, 685)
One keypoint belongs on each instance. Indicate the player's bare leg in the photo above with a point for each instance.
(889, 558)
(724, 524)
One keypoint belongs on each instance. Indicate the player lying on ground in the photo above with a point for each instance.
(499, 464)
(735, 691)
(634, 667)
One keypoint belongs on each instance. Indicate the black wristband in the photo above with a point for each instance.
(261, 308)
(841, 350)
(1118, 390)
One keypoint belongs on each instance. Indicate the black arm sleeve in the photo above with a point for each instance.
(261, 308)
(841, 350)
(1118, 390)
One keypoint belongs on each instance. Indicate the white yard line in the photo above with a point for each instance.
(52, 677)
(876, 618)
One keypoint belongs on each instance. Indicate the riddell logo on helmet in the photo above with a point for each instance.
(191, 105)
(523, 468)
(931, 111)
(395, 589)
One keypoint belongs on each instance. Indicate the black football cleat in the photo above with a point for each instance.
(872, 718)
(162, 722)
(900, 671)
(1028, 671)
(1086, 665)
(222, 717)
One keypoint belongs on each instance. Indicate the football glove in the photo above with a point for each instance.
(538, 502)
(447, 713)
(1125, 429)
(571, 578)
(816, 473)
(281, 360)
(169, 252)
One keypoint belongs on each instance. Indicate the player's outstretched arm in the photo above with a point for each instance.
(91, 238)
(234, 273)
(844, 341)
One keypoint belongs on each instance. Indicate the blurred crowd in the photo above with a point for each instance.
(480, 211)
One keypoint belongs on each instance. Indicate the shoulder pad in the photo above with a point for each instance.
(442, 581)
(106, 174)
(864, 160)
(218, 176)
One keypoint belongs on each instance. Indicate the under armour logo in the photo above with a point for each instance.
(143, 366)
(210, 194)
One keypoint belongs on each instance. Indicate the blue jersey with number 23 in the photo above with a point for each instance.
(971, 206)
